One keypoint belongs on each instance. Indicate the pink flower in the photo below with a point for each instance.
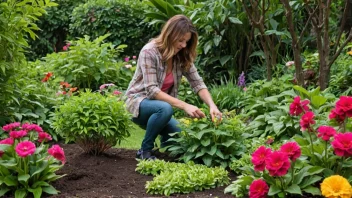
(277, 163)
(18, 134)
(25, 148)
(8, 141)
(42, 136)
(337, 115)
(326, 132)
(244, 88)
(292, 150)
(134, 57)
(345, 105)
(32, 127)
(259, 156)
(307, 120)
(68, 44)
(342, 144)
(297, 106)
(11, 127)
(258, 189)
(290, 63)
(127, 59)
(58, 153)
(116, 92)
(65, 48)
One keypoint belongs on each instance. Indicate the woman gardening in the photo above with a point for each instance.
(153, 89)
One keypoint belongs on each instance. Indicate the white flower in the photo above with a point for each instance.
(290, 63)
(128, 66)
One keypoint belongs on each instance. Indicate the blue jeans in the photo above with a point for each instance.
(155, 116)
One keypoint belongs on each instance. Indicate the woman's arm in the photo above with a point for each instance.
(206, 97)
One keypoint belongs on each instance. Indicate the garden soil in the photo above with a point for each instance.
(109, 175)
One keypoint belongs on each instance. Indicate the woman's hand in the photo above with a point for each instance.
(193, 111)
(215, 113)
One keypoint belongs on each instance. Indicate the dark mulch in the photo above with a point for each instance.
(109, 175)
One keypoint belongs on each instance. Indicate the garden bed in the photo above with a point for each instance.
(109, 175)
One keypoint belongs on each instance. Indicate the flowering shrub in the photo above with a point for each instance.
(27, 165)
(94, 121)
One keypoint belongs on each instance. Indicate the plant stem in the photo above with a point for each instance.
(292, 171)
(282, 186)
(339, 168)
(311, 142)
(326, 154)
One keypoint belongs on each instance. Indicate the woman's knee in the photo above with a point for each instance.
(166, 109)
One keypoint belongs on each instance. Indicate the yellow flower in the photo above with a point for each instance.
(350, 53)
(336, 186)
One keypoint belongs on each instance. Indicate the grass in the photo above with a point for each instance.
(134, 141)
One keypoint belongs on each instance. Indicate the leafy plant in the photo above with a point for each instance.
(93, 121)
(211, 143)
(27, 164)
(173, 177)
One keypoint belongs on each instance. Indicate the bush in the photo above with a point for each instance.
(94, 121)
(26, 163)
(124, 21)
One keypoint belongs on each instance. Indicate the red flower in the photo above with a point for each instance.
(65, 84)
(258, 189)
(259, 156)
(297, 106)
(8, 141)
(18, 134)
(339, 116)
(25, 148)
(58, 153)
(277, 163)
(292, 150)
(47, 76)
(342, 144)
(345, 105)
(326, 132)
(307, 120)
(32, 127)
(11, 127)
(42, 136)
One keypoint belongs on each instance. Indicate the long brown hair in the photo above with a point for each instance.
(174, 29)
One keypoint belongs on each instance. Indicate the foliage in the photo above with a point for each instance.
(93, 121)
(27, 165)
(86, 64)
(211, 143)
(53, 31)
(122, 19)
(173, 177)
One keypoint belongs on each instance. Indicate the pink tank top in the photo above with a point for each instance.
(168, 82)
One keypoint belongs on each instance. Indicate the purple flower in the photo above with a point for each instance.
(241, 80)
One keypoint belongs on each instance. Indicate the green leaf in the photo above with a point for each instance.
(207, 46)
(315, 170)
(294, 189)
(37, 192)
(4, 190)
(160, 5)
(302, 90)
(212, 150)
(312, 190)
(235, 20)
(217, 39)
(20, 193)
(273, 190)
(207, 160)
(50, 190)
(317, 101)
(39, 169)
(224, 59)
(205, 142)
(24, 177)
(10, 180)
(228, 143)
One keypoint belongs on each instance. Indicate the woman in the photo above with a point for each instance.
(153, 89)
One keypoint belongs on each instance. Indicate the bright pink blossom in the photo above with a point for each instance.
(258, 189)
(292, 150)
(8, 141)
(259, 156)
(277, 163)
(339, 116)
(342, 144)
(32, 127)
(58, 153)
(345, 105)
(65, 48)
(134, 57)
(25, 148)
(11, 126)
(127, 59)
(117, 92)
(307, 120)
(326, 132)
(18, 134)
(298, 107)
(42, 136)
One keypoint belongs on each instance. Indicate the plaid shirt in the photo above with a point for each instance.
(149, 78)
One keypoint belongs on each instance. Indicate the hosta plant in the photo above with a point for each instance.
(27, 164)
(94, 121)
(173, 177)
(211, 143)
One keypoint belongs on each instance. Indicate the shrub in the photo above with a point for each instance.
(123, 20)
(26, 163)
(94, 121)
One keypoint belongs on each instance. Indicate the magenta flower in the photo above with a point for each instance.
(259, 156)
(127, 59)
(134, 57)
(342, 144)
(339, 116)
(8, 141)
(58, 153)
(297, 107)
(307, 120)
(277, 163)
(117, 92)
(258, 189)
(292, 150)
(32, 127)
(18, 134)
(344, 104)
(326, 132)
(25, 148)
(44, 137)
(11, 127)
(65, 48)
